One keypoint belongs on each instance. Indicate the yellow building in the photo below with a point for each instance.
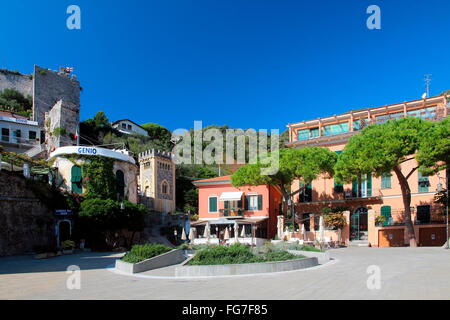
(157, 180)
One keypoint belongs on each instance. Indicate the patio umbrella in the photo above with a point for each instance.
(321, 228)
(227, 234)
(243, 232)
(183, 235)
(207, 234)
(303, 231)
(236, 231)
(192, 234)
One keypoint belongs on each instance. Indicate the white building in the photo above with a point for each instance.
(129, 127)
(17, 133)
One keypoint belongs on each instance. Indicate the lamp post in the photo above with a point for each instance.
(175, 235)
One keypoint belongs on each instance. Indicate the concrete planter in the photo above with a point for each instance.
(276, 241)
(40, 256)
(238, 269)
(166, 259)
(322, 257)
(70, 251)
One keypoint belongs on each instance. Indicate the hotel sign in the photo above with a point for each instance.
(92, 151)
(84, 150)
(22, 121)
(63, 212)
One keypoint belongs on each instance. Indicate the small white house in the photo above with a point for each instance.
(129, 127)
(18, 133)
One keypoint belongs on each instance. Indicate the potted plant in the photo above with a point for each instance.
(68, 246)
(380, 220)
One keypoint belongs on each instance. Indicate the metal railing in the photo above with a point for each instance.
(18, 140)
(232, 212)
(437, 216)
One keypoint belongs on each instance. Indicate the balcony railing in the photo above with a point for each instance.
(436, 216)
(18, 140)
(233, 212)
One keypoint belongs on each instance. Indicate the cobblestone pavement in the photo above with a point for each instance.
(406, 273)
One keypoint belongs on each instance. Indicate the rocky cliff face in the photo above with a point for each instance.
(25, 221)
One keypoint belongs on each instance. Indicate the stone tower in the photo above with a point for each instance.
(157, 180)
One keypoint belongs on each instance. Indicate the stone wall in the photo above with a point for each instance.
(21, 82)
(24, 220)
(63, 115)
(49, 88)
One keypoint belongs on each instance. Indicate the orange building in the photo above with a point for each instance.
(255, 208)
(371, 197)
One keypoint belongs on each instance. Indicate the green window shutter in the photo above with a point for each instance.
(355, 188)
(369, 185)
(246, 202)
(386, 211)
(386, 181)
(260, 202)
(213, 204)
(76, 179)
(337, 186)
(423, 183)
(226, 204)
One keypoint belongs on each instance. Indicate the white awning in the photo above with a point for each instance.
(231, 196)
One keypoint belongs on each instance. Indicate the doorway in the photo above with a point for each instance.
(359, 224)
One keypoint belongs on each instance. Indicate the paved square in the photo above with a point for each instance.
(406, 273)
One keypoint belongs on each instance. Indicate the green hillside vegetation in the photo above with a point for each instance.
(14, 101)
(98, 131)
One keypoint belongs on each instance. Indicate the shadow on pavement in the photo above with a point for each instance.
(85, 260)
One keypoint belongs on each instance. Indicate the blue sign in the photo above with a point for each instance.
(63, 212)
(83, 150)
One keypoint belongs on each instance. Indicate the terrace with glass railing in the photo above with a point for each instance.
(341, 127)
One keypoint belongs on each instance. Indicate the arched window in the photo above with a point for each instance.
(120, 184)
(165, 187)
(76, 179)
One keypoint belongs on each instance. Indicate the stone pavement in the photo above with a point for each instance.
(406, 273)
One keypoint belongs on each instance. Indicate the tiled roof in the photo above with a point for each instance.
(213, 180)
(9, 114)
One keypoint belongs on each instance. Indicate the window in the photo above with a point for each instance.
(426, 113)
(423, 214)
(306, 193)
(306, 221)
(386, 181)
(165, 187)
(5, 134)
(76, 180)
(212, 205)
(334, 129)
(124, 126)
(386, 211)
(338, 188)
(253, 202)
(308, 134)
(316, 222)
(362, 187)
(32, 135)
(120, 184)
(424, 183)
(129, 127)
(392, 116)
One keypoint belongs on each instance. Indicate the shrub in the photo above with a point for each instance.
(142, 252)
(68, 245)
(239, 254)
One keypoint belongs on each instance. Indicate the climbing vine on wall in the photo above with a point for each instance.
(98, 178)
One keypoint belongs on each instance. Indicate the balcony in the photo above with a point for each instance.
(232, 213)
(19, 141)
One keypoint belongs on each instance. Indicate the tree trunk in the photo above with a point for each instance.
(406, 196)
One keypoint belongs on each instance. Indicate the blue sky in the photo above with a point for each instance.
(245, 63)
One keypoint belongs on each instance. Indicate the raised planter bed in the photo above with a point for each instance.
(322, 257)
(166, 259)
(247, 268)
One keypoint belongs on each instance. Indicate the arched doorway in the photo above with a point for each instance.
(64, 231)
(359, 224)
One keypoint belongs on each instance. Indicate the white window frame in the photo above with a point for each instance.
(250, 197)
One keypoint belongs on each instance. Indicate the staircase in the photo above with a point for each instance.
(34, 151)
(358, 243)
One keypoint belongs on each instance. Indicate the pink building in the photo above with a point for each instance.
(254, 208)
(371, 196)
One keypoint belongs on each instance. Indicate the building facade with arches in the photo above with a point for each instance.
(157, 180)
(369, 197)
